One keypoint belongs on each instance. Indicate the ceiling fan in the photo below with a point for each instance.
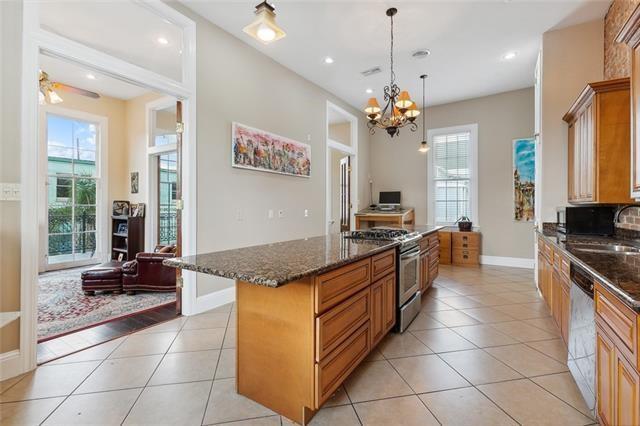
(48, 90)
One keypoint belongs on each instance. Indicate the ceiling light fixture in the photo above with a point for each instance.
(395, 113)
(91, 76)
(264, 27)
(163, 41)
(424, 146)
(421, 53)
(328, 60)
(509, 56)
(46, 94)
(369, 91)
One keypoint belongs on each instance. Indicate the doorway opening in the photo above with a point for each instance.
(341, 170)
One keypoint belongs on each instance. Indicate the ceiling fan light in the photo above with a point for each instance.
(264, 27)
(372, 106)
(404, 100)
(424, 146)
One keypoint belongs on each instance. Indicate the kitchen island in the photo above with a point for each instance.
(308, 312)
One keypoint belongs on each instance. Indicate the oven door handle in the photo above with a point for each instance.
(410, 255)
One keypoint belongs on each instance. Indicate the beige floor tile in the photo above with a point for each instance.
(564, 387)
(443, 340)
(554, 348)
(490, 299)
(103, 408)
(233, 320)
(400, 345)
(227, 364)
(468, 290)
(183, 367)
(430, 304)
(487, 315)
(521, 296)
(260, 421)
(423, 321)
(207, 320)
(483, 335)
(121, 373)
(522, 312)
(440, 292)
(95, 353)
(198, 340)
(546, 324)
(526, 361)
(405, 411)
(173, 325)
(479, 367)
(529, 404)
(27, 413)
(223, 308)
(144, 344)
(225, 405)
(49, 381)
(181, 404)
(453, 318)
(6, 384)
(331, 416)
(522, 331)
(375, 380)
(465, 406)
(340, 397)
(428, 373)
(230, 338)
(461, 302)
(375, 355)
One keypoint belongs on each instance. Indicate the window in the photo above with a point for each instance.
(452, 175)
(167, 224)
(63, 187)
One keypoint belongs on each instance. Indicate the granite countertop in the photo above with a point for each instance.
(619, 272)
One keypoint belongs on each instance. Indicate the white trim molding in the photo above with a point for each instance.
(10, 364)
(513, 262)
(8, 317)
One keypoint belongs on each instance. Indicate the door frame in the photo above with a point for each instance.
(35, 41)
(350, 150)
(102, 189)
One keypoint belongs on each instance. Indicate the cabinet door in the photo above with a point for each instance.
(571, 180)
(589, 164)
(556, 297)
(424, 271)
(635, 122)
(605, 373)
(377, 313)
(627, 393)
(389, 302)
(565, 312)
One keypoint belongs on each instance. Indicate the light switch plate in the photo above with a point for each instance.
(10, 192)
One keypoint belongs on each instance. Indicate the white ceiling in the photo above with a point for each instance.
(74, 75)
(467, 40)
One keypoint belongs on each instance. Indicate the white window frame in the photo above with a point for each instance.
(473, 170)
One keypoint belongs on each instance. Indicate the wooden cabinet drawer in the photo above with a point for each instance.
(433, 240)
(620, 320)
(445, 238)
(334, 369)
(335, 286)
(335, 325)
(382, 264)
(434, 255)
(557, 261)
(565, 270)
(465, 240)
(464, 257)
(548, 251)
(433, 272)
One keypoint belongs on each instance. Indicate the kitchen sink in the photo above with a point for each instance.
(606, 248)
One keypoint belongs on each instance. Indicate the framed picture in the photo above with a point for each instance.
(135, 180)
(260, 150)
(137, 210)
(120, 257)
(524, 178)
(120, 208)
(122, 228)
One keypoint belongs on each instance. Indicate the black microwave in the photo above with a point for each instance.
(586, 220)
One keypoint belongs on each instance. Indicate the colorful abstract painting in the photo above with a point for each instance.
(524, 176)
(259, 150)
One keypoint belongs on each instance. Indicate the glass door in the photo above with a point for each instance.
(167, 187)
(72, 201)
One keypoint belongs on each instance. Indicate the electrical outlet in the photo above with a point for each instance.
(10, 192)
(280, 214)
(270, 214)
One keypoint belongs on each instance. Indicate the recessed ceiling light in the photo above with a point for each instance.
(328, 60)
(162, 40)
(509, 56)
(91, 76)
(369, 91)
(421, 53)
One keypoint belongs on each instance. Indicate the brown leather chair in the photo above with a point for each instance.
(147, 273)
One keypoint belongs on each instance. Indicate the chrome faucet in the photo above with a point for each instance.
(616, 216)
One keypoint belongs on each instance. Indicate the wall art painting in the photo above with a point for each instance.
(524, 177)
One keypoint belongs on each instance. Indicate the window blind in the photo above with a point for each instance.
(451, 177)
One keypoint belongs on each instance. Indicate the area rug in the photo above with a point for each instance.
(63, 307)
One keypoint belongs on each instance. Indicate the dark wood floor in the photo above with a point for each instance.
(74, 342)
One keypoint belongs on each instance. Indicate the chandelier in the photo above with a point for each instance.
(399, 110)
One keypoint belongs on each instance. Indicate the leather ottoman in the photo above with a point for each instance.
(104, 277)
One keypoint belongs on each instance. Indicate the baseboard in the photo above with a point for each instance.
(213, 300)
(10, 364)
(513, 262)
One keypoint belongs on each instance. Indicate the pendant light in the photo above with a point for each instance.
(424, 146)
(264, 27)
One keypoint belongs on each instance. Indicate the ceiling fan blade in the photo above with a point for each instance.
(76, 90)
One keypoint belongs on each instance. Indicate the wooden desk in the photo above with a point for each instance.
(372, 218)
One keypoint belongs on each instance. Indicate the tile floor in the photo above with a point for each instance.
(483, 351)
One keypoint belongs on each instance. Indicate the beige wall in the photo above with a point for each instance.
(10, 53)
(340, 132)
(237, 83)
(397, 165)
(571, 58)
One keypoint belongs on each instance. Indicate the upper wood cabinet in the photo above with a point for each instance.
(630, 34)
(599, 144)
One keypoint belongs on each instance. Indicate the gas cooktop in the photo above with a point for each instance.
(385, 234)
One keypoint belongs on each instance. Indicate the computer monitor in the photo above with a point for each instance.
(389, 199)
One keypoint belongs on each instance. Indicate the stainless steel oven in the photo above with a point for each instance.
(408, 284)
